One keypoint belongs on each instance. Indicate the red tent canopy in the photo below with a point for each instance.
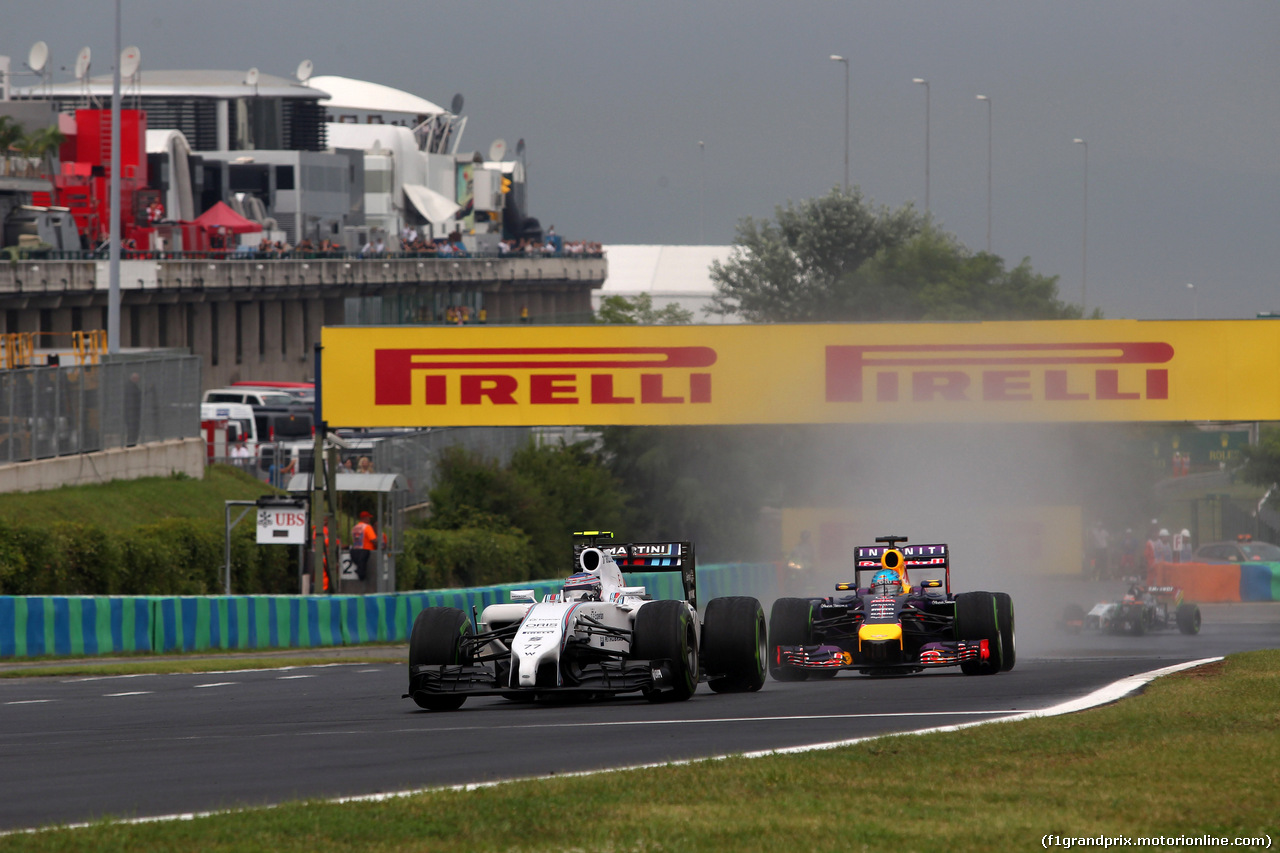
(221, 216)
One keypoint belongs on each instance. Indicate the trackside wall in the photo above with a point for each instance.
(85, 626)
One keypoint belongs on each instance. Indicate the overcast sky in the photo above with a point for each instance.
(1179, 102)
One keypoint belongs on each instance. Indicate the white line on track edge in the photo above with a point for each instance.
(1106, 695)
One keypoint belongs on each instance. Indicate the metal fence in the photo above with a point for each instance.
(416, 454)
(58, 411)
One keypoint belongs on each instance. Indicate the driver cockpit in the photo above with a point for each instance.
(582, 586)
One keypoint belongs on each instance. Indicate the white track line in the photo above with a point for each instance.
(131, 693)
(1102, 696)
(29, 701)
(216, 684)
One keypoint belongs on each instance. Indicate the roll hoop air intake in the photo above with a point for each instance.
(590, 559)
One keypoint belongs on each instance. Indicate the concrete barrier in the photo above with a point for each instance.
(85, 626)
(154, 459)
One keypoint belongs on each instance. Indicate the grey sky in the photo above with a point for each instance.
(1179, 101)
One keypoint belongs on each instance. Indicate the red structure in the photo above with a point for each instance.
(84, 182)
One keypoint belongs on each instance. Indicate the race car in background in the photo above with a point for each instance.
(597, 636)
(1141, 609)
(893, 623)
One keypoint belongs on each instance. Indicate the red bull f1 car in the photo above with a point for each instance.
(1139, 610)
(897, 616)
(597, 636)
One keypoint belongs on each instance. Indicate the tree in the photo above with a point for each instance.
(1262, 463)
(10, 134)
(42, 144)
(640, 312)
(838, 258)
(545, 493)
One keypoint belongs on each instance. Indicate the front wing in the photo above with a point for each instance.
(877, 656)
(611, 677)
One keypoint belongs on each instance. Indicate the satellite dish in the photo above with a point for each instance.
(455, 106)
(38, 56)
(304, 71)
(498, 149)
(130, 58)
(251, 79)
(82, 63)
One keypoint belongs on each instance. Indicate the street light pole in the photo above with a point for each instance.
(838, 58)
(702, 185)
(925, 83)
(1084, 239)
(113, 222)
(1195, 301)
(988, 100)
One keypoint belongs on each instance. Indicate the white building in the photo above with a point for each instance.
(679, 274)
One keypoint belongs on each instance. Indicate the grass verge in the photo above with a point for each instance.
(122, 504)
(1198, 752)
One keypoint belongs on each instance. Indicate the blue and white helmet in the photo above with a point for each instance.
(582, 585)
(886, 582)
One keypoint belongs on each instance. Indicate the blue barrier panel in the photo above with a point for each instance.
(721, 579)
(1258, 581)
(32, 626)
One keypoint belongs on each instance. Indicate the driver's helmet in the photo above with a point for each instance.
(582, 585)
(886, 582)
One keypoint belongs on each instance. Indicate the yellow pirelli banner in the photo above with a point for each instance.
(1071, 370)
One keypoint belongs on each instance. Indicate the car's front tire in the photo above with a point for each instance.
(1188, 618)
(790, 624)
(1004, 615)
(664, 630)
(437, 641)
(734, 644)
(977, 618)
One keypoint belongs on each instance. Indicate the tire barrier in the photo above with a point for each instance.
(86, 626)
(1220, 582)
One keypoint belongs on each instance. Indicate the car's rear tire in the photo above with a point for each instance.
(1004, 615)
(790, 624)
(664, 630)
(734, 644)
(1188, 618)
(977, 618)
(436, 640)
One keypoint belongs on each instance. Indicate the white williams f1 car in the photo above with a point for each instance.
(597, 636)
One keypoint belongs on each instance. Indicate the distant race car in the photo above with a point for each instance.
(596, 636)
(893, 624)
(1141, 609)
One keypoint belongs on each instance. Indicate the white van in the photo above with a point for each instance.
(250, 397)
(239, 417)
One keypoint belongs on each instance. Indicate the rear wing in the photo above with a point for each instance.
(645, 557)
(925, 560)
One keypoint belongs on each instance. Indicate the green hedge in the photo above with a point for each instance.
(469, 557)
(172, 557)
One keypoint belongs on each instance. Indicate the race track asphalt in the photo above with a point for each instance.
(77, 749)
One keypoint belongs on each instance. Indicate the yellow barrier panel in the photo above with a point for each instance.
(1049, 371)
